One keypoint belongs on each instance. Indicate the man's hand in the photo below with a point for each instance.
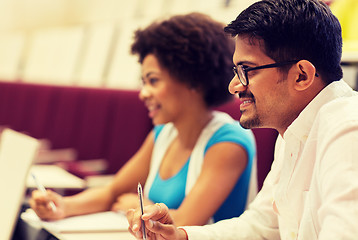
(158, 223)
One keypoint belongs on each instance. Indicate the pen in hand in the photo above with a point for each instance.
(140, 196)
(41, 188)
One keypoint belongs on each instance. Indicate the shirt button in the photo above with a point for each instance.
(293, 235)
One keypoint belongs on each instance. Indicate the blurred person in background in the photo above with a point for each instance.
(196, 161)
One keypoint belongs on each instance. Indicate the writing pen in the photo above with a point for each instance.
(140, 196)
(41, 188)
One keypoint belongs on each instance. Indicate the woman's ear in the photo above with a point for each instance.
(305, 75)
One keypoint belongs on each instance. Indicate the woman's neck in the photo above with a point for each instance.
(190, 127)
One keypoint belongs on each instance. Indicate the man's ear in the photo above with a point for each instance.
(306, 74)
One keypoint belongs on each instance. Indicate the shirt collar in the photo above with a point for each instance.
(301, 126)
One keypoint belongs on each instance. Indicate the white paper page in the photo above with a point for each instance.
(96, 222)
(52, 176)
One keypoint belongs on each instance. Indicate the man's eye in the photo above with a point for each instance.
(251, 72)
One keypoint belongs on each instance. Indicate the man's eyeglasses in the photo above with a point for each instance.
(242, 71)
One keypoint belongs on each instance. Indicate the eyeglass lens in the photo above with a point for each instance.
(242, 75)
(240, 72)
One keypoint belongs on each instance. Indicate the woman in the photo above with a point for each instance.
(197, 161)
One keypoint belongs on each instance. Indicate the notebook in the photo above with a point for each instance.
(96, 222)
(17, 151)
(52, 176)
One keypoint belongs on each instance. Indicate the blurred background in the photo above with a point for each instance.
(86, 42)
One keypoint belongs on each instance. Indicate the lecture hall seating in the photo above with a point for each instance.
(99, 123)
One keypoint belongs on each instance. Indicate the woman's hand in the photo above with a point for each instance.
(40, 203)
(158, 223)
(128, 201)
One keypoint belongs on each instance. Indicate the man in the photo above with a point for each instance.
(288, 77)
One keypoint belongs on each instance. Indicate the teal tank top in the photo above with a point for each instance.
(172, 191)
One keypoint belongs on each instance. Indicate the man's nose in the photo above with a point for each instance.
(236, 86)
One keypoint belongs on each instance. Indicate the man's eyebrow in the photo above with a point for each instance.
(245, 63)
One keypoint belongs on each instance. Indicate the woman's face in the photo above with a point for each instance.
(165, 97)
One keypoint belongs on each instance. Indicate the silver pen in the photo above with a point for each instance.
(140, 196)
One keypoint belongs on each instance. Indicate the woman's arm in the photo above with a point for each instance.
(99, 199)
(223, 165)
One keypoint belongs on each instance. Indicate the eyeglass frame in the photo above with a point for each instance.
(247, 69)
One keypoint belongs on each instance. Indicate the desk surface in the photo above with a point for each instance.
(96, 236)
(24, 231)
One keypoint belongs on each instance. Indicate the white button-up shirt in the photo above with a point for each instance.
(311, 191)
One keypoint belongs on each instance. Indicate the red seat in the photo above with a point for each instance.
(130, 125)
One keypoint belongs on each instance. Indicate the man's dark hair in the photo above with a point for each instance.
(194, 49)
(294, 30)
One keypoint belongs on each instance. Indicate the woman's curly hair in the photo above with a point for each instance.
(194, 49)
